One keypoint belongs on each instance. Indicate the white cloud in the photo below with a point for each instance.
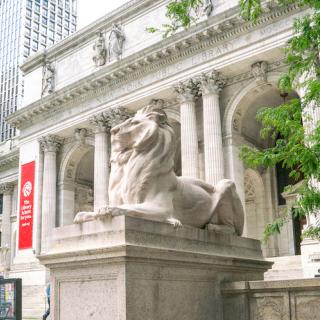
(90, 10)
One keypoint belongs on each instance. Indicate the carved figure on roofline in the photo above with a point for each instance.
(47, 79)
(116, 40)
(143, 183)
(100, 51)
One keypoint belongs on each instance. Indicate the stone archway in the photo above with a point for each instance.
(68, 180)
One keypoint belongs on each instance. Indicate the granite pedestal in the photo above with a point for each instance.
(131, 269)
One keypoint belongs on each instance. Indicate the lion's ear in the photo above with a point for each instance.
(158, 117)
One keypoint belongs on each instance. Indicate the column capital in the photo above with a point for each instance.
(187, 91)
(6, 188)
(50, 143)
(106, 120)
(211, 83)
(115, 116)
(99, 123)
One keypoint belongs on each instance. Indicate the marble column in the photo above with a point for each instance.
(210, 86)
(50, 145)
(6, 189)
(101, 161)
(186, 94)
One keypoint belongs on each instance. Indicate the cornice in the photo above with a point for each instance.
(10, 160)
(206, 34)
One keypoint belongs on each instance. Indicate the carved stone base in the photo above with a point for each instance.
(130, 269)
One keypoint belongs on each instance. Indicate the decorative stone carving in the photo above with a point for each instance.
(80, 134)
(270, 308)
(186, 90)
(114, 116)
(4, 256)
(259, 71)
(50, 143)
(157, 103)
(100, 51)
(206, 8)
(6, 188)
(116, 40)
(47, 79)
(211, 82)
(143, 182)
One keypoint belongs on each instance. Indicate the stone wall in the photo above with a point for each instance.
(272, 300)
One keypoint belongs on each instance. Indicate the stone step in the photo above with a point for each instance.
(285, 268)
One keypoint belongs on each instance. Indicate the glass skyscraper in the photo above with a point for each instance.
(27, 26)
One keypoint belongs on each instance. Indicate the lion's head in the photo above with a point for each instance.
(139, 132)
(142, 148)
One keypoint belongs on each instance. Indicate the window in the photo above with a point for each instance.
(28, 22)
(52, 7)
(51, 24)
(52, 16)
(29, 3)
(59, 20)
(45, 12)
(36, 35)
(43, 30)
(45, 2)
(37, 17)
(60, 11)
(51, 33)
(1, 203)
(27, 32)
(36, 26)
(29, 13)
(44, 21)
(43, 39)
(36, 8)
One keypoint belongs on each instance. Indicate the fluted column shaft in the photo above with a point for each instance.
(50, 145)
(6, 190)
(101, 167)
(189, 136)
(210, 86)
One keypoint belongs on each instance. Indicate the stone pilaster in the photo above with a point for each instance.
(210, 86)
(50, 145)
(6, 189)
(186, 94)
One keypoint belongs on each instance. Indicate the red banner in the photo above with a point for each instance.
(26, 205)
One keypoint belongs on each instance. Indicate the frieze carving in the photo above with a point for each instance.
(259, 71)
(100, 51)
(47, 79)
(211, 83)
(50, 143)
(116, 40)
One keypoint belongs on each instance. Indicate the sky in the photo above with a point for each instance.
(90, 10)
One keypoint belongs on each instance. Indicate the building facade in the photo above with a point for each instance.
(211, 80)
(27, 26)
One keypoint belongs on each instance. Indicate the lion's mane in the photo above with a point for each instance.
(134, 171)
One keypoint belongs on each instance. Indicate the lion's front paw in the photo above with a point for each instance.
(175, 222)
(84, 216)
(109, 212)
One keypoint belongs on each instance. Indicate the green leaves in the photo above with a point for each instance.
(250, 9)
(181, 16)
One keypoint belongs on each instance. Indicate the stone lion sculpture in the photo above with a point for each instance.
(143, 183)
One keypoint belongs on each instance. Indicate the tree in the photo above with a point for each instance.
(297, 150)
